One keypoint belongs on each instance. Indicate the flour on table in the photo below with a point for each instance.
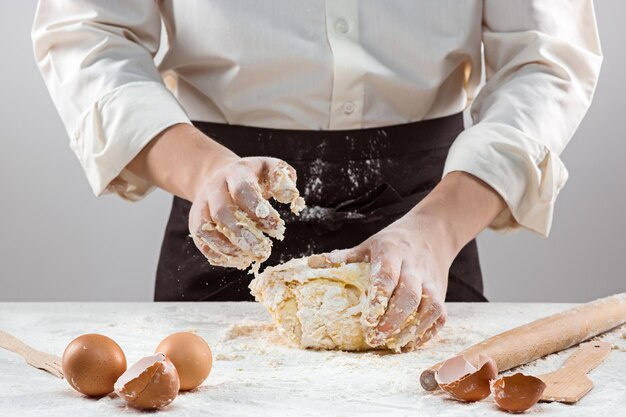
(259, 330)
(256, 373)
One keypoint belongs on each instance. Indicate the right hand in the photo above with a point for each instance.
(231, 215)
(230, 218)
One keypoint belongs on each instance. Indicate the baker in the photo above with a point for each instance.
(359, 103)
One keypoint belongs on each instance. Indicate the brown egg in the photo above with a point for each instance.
(463, 381)
(517, 393)
(149, 384)
(191, 355)
(92, 363)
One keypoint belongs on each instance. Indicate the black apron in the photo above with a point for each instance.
(354, 182)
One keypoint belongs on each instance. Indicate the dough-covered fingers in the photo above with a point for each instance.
(247, 194)
(432, 330)
(209, 236)
(385, 272)
(280, 183)
(235, 225)
(401, 310)
(214, 257)
(231, 219)
(203, 232)
(430, 310)
(336, 258)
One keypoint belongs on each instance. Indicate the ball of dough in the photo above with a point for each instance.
(317, 307)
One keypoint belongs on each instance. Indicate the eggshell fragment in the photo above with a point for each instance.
(463, 381)
(517, 393)
(92, 363)
(191, 355)
(151, 383)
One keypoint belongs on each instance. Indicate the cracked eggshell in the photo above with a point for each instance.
(92, 363)
(191, 355)
(463, 381)
(517, 393)
(151, 383)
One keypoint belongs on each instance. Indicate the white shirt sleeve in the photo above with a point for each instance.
(96, 58)
(542, 60)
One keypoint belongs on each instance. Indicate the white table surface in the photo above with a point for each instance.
(257, 375)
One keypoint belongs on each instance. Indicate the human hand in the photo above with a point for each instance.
(410, 259)
(409, 272)
(231, 218)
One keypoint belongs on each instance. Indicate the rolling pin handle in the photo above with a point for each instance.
(427, 380)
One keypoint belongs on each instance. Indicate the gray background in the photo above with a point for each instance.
(58, 242)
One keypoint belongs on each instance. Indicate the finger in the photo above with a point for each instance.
(235, 225)
(246, 193)
(385, 273)
(203, 232)
(280, 183)
(215, 240)
(429, 311)
(336, 258)
(431, 308)
(214, 246)
(403, 306)
(432, 330)
(360, 253)
(216, 258)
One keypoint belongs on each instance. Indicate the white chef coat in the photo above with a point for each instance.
(334, 64)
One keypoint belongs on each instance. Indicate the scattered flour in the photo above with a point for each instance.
(256, 373)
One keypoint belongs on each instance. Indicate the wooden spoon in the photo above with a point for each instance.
(41, 360)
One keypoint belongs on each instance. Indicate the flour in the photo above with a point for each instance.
(375, 382)
(313, 213)
(362, 174)
(313, 187)
(256, 373)
(258, 330)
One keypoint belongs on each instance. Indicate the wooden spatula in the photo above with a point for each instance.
(570, 383)
(41, 360)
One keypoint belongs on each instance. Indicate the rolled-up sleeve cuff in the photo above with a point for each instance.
(116, 128)
(526, 174)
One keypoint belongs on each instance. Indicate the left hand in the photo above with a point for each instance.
(410, 259)
(409, 270)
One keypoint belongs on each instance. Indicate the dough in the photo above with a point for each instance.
(318, 307)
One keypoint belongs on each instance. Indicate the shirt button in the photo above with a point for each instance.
(348, 107)
(342, 25)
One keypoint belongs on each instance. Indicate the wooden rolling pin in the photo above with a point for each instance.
(544, 336)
